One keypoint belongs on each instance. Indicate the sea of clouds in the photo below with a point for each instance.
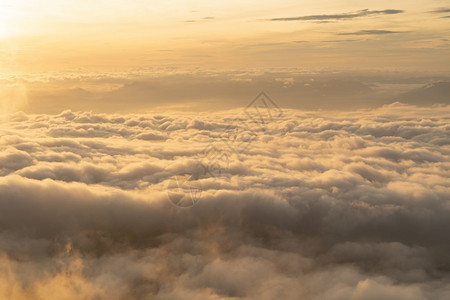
(313, 205)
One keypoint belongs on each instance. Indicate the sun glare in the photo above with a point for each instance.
(9, 18)
(5, 27)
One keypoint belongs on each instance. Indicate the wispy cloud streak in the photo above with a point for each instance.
(341, 16)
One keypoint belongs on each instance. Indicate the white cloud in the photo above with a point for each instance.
(349, 205)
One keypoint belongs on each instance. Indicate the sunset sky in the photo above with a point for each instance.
(55, 35)
(225, 150)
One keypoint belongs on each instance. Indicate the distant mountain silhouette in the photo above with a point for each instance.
(204, 92)
(434, 93)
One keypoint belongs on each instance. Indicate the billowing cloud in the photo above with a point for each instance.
(342, 205)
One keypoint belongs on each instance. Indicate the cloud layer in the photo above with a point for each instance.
(349, 205)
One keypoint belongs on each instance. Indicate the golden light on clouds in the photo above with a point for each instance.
(285, 149)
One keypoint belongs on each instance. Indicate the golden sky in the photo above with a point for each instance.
(49, 35)
(282, 149)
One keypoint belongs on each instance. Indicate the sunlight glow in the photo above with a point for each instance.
(5, 17)
(9, 19)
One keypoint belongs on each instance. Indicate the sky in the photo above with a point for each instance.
(37, 36)
(224, 150)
